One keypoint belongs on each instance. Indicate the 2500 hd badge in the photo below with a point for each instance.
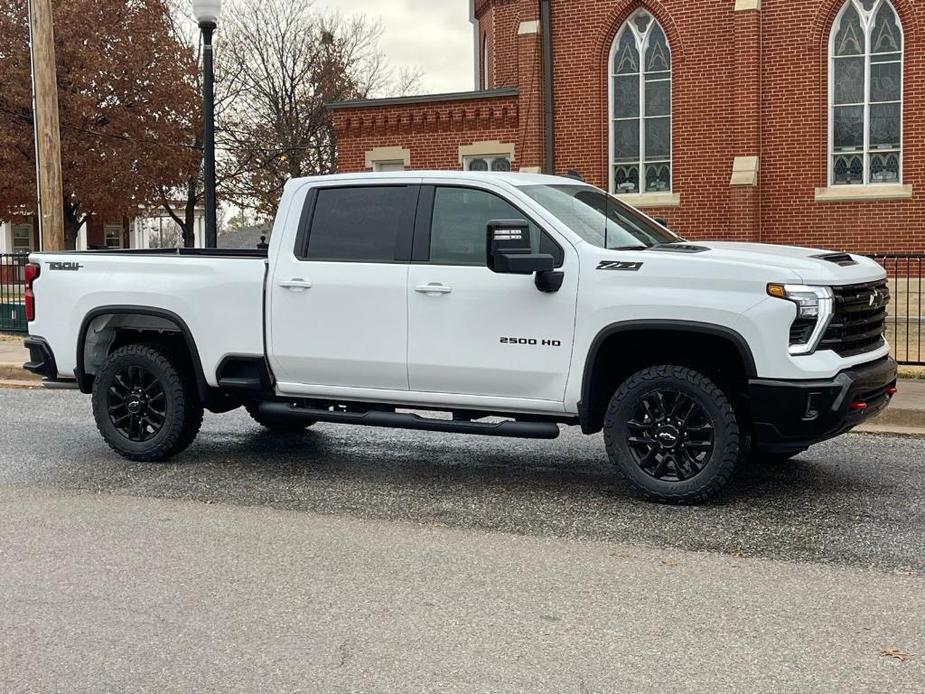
(530, 341)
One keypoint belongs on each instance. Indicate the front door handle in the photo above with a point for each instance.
(433, 288)
(298, 284)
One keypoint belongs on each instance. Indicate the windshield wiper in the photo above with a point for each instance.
(629, 248)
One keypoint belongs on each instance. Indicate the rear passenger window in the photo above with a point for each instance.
(371, 224)
(459, 227)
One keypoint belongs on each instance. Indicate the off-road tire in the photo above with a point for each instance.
(276, 425)
(181, 407)
(716, 411)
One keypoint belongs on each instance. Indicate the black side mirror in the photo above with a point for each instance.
(662, 221)
(510, 252)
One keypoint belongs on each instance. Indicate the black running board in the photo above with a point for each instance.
(241, 384)
(395, 420)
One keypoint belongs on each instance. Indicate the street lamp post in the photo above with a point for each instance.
(207, 13)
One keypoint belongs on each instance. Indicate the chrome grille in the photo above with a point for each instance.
(859, 319)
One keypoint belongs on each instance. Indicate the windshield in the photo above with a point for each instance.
(600, 219)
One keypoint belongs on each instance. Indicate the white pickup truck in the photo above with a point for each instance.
(516, 303)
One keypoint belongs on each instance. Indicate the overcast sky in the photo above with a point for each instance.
(433, 34)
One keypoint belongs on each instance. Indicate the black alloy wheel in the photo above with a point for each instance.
(673, 434)
(136, 404)
(670, 435)
(145, 402)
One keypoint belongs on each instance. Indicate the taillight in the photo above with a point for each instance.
(32, 271)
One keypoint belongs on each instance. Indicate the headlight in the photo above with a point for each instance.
(814, 313)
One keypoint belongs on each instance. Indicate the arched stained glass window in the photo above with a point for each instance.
(865, 94)
(640, 107)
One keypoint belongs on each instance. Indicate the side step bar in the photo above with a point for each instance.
(395, 420)
(240, 384)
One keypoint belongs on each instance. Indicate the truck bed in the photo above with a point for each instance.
(217, 295)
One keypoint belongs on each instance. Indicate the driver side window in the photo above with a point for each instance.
(459, 227)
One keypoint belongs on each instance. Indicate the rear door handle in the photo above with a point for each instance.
(433, 288)
(296, 284)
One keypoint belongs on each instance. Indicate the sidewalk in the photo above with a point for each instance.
(12, 357)
(906, 415)
(11, 349)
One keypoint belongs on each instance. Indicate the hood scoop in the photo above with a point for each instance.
(680, 248)
(840, 259)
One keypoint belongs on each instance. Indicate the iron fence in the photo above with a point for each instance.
(906, 312)
(12, 300)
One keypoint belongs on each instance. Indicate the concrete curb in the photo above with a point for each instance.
(901, 417)
(890, 430)
(20, 385)
(898, 421)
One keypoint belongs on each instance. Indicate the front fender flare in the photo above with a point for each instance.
(584, 409)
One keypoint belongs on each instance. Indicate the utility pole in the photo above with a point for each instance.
(47, 126)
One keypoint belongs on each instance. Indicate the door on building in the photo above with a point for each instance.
(475, 332)
(338, 300)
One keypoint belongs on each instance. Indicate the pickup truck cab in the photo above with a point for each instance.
(513, 303)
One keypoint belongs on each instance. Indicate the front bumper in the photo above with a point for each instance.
(793, 415)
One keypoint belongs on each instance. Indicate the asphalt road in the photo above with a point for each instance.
(363, 560)
(859, 500)
(121, 594)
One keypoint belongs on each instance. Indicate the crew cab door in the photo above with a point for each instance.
(338, 300)
(475, 332)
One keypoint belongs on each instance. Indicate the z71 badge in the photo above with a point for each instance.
(72, 267)
(619, 265)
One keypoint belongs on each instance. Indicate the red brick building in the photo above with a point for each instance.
(792, 121)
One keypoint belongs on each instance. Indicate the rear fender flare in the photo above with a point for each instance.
(85, 382)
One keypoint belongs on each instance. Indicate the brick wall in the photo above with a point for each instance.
(745, 83)
(432, 131)
(794, 135)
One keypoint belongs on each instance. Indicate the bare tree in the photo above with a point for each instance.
(285, 62)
